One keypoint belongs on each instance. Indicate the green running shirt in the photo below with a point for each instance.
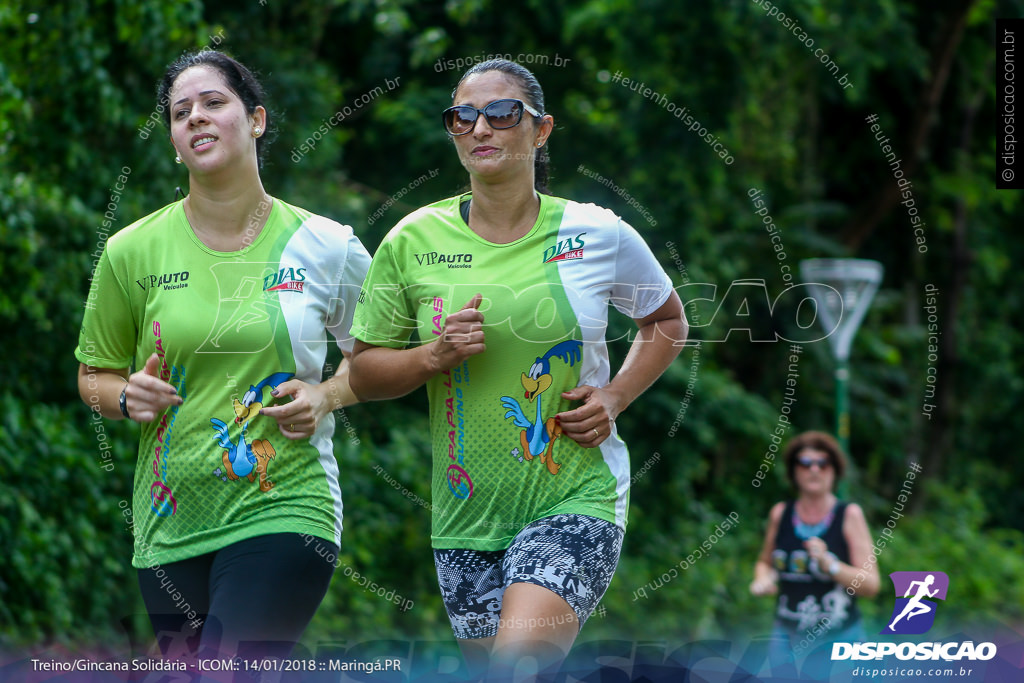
(228, 327)
(498, 460)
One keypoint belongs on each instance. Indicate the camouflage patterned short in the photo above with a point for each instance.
(573, 556)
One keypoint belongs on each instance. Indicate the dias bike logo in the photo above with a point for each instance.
(285, 280)
(568, 249)
(914, 614)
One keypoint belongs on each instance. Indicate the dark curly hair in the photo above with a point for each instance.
(239, 78)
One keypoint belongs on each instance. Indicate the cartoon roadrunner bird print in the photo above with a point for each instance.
(252, 401)
(538, 437)
(242, 459)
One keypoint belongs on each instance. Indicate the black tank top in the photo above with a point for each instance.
(808, 596)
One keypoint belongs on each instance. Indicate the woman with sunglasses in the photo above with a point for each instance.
(817, 553)
(507, 289)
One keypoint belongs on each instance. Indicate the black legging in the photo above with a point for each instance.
(253, 598)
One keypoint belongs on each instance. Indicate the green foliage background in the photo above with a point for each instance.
(77, 85)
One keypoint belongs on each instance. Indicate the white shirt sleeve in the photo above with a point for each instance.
(641, 285)
(349, 285)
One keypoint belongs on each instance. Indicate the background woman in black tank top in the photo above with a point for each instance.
(816, 551)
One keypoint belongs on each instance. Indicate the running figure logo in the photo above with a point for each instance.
(914, 612)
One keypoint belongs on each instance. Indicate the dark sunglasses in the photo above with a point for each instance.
(811, 462)
(499, 114)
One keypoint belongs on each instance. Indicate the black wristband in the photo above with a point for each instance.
(123, 401)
